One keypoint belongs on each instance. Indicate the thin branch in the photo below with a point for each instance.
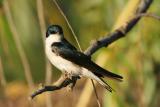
(3, 81)
(6, 52)
(48, 65)
(41, 19)
(121, 32)
(118, 33)
(84, 97)
(2, 77)
(63, 81)
(94, 87)
(21, 52)
(68, 23)
(43, 28)
(3, 84)
(151, 15)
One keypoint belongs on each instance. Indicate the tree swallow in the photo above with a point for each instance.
(68, 59)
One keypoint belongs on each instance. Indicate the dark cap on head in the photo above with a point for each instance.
(53, 29)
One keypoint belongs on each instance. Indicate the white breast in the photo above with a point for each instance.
(59, 62)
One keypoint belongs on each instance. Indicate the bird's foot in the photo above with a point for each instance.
(68, 75)
(73, 83)
(41, 85)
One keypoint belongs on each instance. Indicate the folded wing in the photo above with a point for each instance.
(83, 60)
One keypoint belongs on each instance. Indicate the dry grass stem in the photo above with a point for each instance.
(20, 49)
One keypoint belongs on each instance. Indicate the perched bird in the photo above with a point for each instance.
(69, 60)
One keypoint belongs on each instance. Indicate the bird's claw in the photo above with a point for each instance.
(68, 75)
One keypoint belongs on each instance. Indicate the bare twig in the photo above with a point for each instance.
(3, 80)
(62, 82)
(85, 95)
(48, 65)
(121, 32)
(2, 77)
(41, 19)
(3, 84)
(94, 87)
(68, 24)
(151, 15)
(118, 33)
(21, 52)
(48, 81)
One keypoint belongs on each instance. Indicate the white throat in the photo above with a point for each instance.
(53, 38)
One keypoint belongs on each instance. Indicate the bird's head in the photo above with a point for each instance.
(54, 30)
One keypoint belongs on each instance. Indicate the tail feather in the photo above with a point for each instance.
(91, 75)
(106, 85)
(99, 71)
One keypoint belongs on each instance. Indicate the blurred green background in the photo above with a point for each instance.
(136, 57)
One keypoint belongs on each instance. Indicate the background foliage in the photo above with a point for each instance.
(136, 57)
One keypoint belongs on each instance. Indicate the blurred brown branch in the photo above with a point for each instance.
(2, 77)
(21, 51)
(156, 94)
(104, 42)
(47, 65)
(151, 15)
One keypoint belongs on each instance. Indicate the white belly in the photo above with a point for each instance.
(62, 64)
